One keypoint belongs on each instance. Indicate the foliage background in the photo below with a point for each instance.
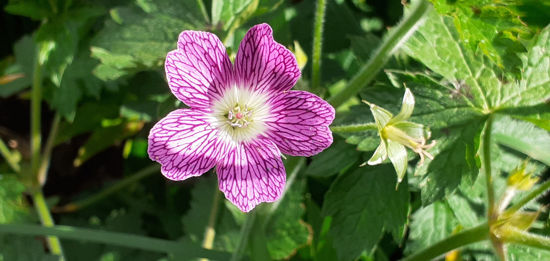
(103, 88)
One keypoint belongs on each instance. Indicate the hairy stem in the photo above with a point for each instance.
(47, 221)
(204, 13)
(210, 232)
(46, 155)
(116, 239)
(354, 128)
(532, 195)
(514, 235)
(317, 43)
(469, 236)
(104, 193)
(392, 42)
(36, 103)
(486, 159)
(8, 156)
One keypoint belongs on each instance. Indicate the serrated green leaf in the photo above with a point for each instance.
(534, 88)
(454, 160)
(487, 28)
(429, 225)
(12, 204)
(437, 45)
(142, 35)
(363, 204)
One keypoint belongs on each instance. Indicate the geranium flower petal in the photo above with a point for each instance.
(199, 69)
(252, 173)
(263, 64)
(299, 123)
(185, 144)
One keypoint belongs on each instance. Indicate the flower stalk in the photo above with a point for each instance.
(210, 231)
(354, 128)
(466, 237)
(317, 44)
(47, 221)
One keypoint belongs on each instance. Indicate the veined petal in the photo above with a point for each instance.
(380, 154)
(252, 173)
(299, 123)
(199, 69)
(263, 64)
(407, 107)
(185, 144)
(398, 157)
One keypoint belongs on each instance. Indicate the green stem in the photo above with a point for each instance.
(204, 13)
(354, 128)
(46, 155)
(8, 156)
(532, 195)
(210, 232)
(104, 193)
(243, 237)
(392, 42)
(36, 103)
(115, 239)
(513, 235)
(469, 236)
(317, 43)
(47, 221)
(486, 158)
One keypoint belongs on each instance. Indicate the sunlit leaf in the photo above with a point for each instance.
(359, 215)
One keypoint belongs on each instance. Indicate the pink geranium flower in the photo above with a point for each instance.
(241, 116)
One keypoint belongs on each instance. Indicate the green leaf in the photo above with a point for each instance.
(286, 232)
(534, 88)
(519, 252)
(363, 204)
(524, 137)
(493, 30)
(12, 202)
(105, 137)
(138, 37)
(88, 118)
(34, 9)
(430, 225)
(24, 51)
(454, 160)
(437, 45)
(333, 160)
(438, 103)
(23, 248)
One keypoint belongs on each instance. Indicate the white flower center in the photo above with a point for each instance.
(240, 114)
